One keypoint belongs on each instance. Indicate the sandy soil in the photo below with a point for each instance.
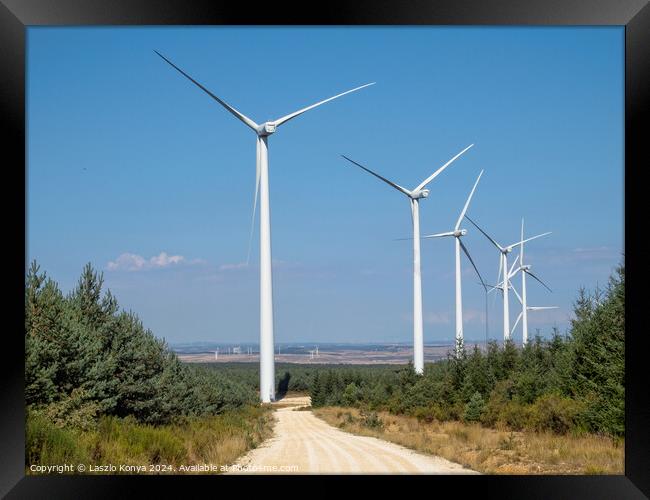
(304, 444)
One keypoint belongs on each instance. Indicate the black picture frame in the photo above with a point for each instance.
(17, 15)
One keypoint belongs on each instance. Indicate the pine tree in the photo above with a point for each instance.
(597, 359)
(474, 408)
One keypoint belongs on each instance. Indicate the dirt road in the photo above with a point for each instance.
(304, 444)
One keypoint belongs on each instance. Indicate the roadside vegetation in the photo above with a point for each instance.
(570, 386)
(192, 441)
(99, 386)
(486, 450)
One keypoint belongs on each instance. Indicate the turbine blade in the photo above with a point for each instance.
(516, 323)
(469, 198)
(517, 294)
(529, 239)
(435, 174)
(543, 284)
(257, 187)
(238, 114)
(500, 268)
(484, 234)
(390, 183)
(288, 117)
(439, 235)
(513, 274)
(512, 267)
(541, 308)
(462, 245)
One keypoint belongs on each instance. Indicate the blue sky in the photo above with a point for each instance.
(134, 169)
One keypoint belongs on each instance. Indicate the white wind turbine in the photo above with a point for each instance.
(458, 233)
(525, 270)
(504, 286)
(262, 131)
(414, 196)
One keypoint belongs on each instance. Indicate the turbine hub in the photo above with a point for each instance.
(266, 128)
(421, 194)
(460, 232)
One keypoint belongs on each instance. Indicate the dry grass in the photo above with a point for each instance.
(489, 451)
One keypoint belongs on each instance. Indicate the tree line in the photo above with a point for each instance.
(86, 358)
(566, 383)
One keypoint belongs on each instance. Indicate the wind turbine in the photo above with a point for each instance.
(415, 195)
(503, 265)
(525, 270)
(263, 131)
(458, 233)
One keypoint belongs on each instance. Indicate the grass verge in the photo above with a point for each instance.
(486, 450)
(217, 440)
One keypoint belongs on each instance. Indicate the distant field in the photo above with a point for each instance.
(344, 355)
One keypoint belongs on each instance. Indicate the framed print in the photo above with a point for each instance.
(221, 277)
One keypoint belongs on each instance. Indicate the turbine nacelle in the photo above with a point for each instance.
(266, 128)
(422, 193)
(460, 232)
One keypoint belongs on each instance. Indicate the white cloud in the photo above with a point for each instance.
(133, 262)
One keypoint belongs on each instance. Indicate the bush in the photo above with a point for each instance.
(499, 397)
(73, 411)
(515, 415)
(555, 413)
(351, 394)
(372, 420)
(425, 414)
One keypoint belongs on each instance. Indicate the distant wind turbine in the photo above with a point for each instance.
(525, 270)
(458, 233)
(503, 265)
(415, 195)
(263, 130)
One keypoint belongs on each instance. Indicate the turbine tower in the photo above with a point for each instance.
(525, 270)
(503, 265)
(263, 131)
(458, 233)
(415, 195)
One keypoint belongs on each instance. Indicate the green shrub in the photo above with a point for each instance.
(425, 414)
(515, 415)
(351, 394)
(73, 411)
(555, 413)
